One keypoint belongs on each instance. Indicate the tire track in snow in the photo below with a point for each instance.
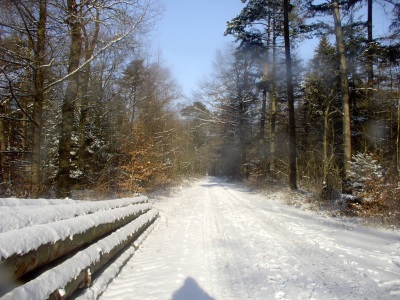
(221, 256)
(241, 240)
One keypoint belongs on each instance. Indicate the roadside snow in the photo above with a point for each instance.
(218, 241)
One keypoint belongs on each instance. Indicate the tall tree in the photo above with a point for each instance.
(90, 42)
(395, 28)
(344, 85)
(370, 41)
(320, 110)
(290, 99)
(333, 7)
(257, 28)
(39, 77)
(74, 21)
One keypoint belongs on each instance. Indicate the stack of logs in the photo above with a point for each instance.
(60, 249)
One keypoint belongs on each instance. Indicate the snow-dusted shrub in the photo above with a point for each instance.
(364, 169)
(377, 189)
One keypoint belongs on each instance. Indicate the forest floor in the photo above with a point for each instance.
(218, 240)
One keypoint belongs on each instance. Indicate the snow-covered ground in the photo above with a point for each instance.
(216, 240)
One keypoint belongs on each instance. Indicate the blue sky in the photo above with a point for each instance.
(191, 31)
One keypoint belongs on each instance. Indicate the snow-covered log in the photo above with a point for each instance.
(101, 283)
(18, 201)
(23, 250)
(20, 213)
(62, 280)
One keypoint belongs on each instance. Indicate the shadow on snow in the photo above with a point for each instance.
(191, 290)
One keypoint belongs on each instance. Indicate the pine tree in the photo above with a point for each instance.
(272, 17)
(320, 110)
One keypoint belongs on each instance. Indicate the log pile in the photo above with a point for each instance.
(56, 249)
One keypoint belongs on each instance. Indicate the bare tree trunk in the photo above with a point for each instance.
(242, 139)
(345, 96)
(89, 49)
(290, 96)
(326, 147)
(370, 56)
(272, 130)
(398, 134)
(398, 126)
(3, 149)
(264, 83)
(27, 101)
(64, 183)
(38, 101)
(263, 115)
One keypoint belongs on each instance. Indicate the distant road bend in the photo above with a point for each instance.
(216, 240)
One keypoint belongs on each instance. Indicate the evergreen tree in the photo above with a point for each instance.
(320, 110)
(259, 26)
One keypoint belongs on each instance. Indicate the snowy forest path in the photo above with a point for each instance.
(218, 241)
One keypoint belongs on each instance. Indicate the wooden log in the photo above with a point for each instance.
(99, 224)
(17, 201)
(19, 216)
(83, 281)
(61, 281)
(102, 280)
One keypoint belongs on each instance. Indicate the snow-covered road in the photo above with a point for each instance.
(217, 241)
